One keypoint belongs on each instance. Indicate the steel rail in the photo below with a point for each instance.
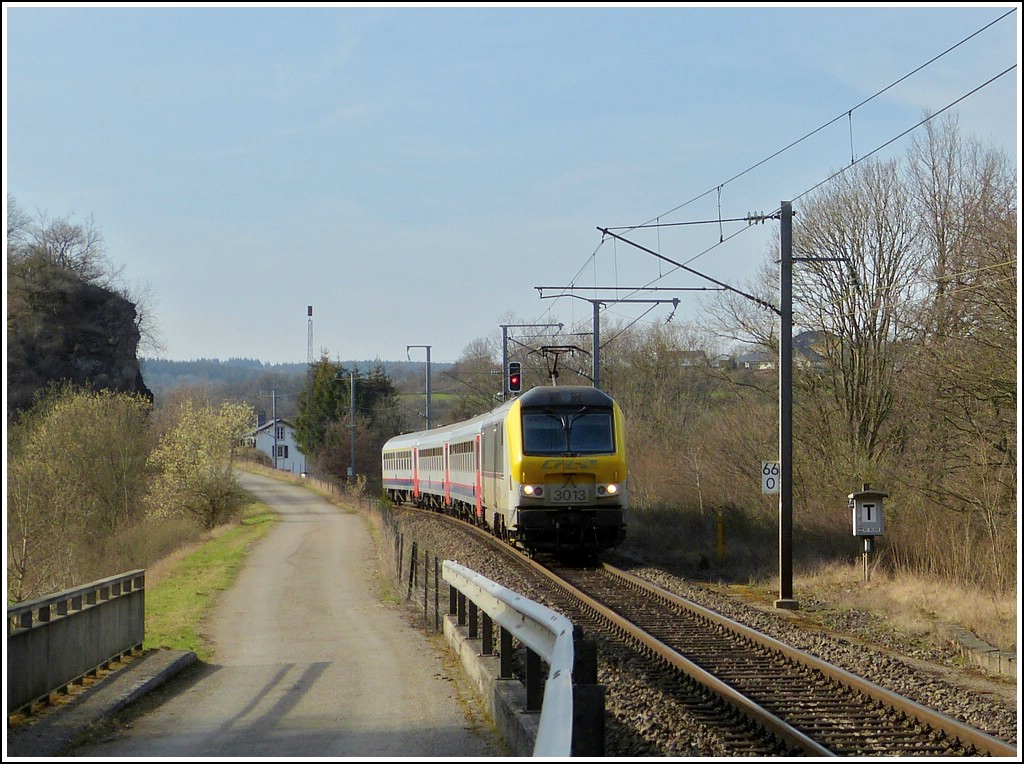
(930, 717)
(737, 700)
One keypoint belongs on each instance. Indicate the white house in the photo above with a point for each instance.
(279, 435)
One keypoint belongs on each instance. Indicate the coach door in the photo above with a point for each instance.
(491, 460)
(478, 487)
(415, 472)
(447, 478)
(497, 468)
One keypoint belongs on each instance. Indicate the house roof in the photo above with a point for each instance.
(270, 423)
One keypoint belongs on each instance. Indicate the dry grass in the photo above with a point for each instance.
(914, 605)
(922, 608)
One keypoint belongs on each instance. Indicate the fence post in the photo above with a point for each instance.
(401, 544)
(426, 583)
(534, 694)
(588, 699)
(487, 636)
(505, 663)
(437, 593)
(412, 570)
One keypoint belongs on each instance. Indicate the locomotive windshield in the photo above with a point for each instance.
(565, 431)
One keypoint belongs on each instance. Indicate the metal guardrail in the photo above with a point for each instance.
(59, 639)
(546, 635)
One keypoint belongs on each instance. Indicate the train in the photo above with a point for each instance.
(545, 471)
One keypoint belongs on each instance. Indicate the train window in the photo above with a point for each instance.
(592, 433)
(559, 431)
(542, 434)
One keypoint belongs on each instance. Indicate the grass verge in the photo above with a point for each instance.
(177, 603)
(917, 608)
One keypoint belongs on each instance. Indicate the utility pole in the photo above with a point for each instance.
(407, 348)
(309, 354)
(786, 261)
(273, 408)
(273, 415)
(785, 313)
(352, 424)
(785, 599)
(351, 472)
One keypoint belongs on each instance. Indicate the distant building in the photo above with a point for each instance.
(809, 349)
(808, 353)
(276, 439)
(756, 361)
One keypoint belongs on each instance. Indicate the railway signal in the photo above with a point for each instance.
(515, 377)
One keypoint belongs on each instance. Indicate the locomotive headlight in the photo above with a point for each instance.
(535, 491)
(608, 489)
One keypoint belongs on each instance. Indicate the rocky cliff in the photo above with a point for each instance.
(60, 328)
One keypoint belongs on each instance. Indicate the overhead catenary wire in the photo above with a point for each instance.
(657, 220)
(835, 119)
(848, 113)
(627, 327)
(895, 138)
(804, 193)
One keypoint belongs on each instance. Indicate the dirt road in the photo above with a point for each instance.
(309, 662)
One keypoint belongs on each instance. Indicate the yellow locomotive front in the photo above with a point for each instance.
(567, 466)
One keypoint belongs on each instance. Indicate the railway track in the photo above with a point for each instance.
(810, 705)
(723, 686)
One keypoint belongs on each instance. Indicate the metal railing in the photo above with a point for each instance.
(59, 639)
(572, 707)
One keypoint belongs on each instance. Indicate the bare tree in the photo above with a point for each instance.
(476, 377)
(75, 247)
(18, 226)
(738, 320)
(961, 378)
(858, 289)
(659, 375)
(39, 248)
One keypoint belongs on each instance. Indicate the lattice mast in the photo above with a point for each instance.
(309, 335)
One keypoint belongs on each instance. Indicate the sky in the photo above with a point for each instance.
(413, 172)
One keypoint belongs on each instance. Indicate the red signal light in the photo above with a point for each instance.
(515, 377)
